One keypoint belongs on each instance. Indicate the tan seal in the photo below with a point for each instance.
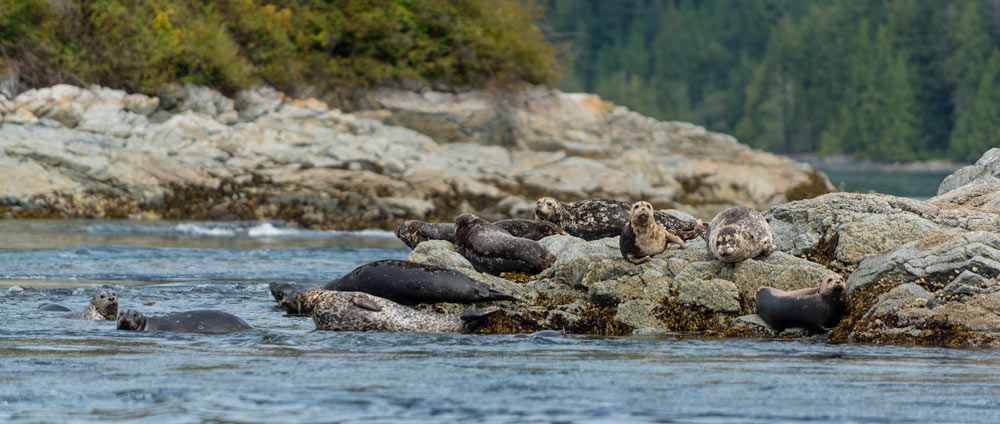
(103, 306)
(643, 237)
(740, 233)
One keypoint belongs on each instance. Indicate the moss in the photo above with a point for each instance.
(695, 319)
(518, 277)
(595, 320)
(549, 302)
(506, 322)
(815, 186)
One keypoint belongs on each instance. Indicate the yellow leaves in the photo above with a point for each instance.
(162, 20)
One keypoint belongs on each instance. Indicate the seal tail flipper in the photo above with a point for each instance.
(495, 295)
(636, 260)
(475, 318)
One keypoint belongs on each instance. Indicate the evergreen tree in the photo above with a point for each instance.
(978, 129)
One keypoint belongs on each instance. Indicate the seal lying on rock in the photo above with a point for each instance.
(738, 234)
(356, 311)
(817, 309)
(410, 283)
(642, 237)
(201, 321)
(282, 290)
(415, 232)
(103, 306)
(492, 250)
(594, 219)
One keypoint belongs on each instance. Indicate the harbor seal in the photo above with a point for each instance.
(410, 283)
(818, 309)
(642, 237)
(594, 219)
(200, 321)
(414, 232)
(492, 250)
(738, 234)
(356, 311)
(103, 306)
(280, 291)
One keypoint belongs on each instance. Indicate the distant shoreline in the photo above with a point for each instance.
(846, 163)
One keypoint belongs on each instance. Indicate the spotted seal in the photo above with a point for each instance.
(200, 321)
(356, 311)
(738, 234)
(414, 232)
(594, 219)
(492, 250)
(642, 237)
(410, 283)
(817, 309)
(103, 306)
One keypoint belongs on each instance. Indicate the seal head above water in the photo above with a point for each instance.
(103, 306)
(642, 237)
(740, 233)
(817, 309)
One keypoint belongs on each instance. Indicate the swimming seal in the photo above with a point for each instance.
(355, 311)
(103, 306)
(414, 232)
(200, 321)
(817, 309)
(642, 237)
(738, 234)
(594, 219)
(492, 250)
(410, 283)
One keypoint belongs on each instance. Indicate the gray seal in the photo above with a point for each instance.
(642, 237)
(492, 250)
(818, 309)
(356, 311)
(410, 283)
(740, 233)
(414, 232)
(103, 306)
(594, 219)
(200, 321)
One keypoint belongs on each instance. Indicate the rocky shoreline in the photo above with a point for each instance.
(194, 154)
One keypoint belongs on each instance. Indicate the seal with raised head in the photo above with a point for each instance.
(103, 306)
(280, 291)
(818, 308)
(201, 321)
(492, 250)
(414, 232)
(642, 237)
(410, 283)
(356, 311)
(740, 233)
(594, 219)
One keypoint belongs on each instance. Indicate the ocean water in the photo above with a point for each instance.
(918, 185)
(57, 370)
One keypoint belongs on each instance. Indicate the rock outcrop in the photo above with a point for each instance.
(194, 154)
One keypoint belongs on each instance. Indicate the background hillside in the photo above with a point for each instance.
(886, 80)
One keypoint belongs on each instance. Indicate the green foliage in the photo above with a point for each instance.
(140, 45)
(891, 80)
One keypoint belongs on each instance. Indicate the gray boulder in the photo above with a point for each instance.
(986, 170)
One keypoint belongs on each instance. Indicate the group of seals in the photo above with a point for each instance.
(493, 250)
(200, 321)
(356, 311)
(817, 309)
(594, 219)
(103, 306)
(642, 237)
(738, 234)
(414, 232)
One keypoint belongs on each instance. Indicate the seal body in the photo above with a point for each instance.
(738, 234)
(410, 283)
(642, 237)
(415, 232)
(103, 306)
(356, 311)
(594, 219)
(817, 309)
(200, 321)
(492, 250)
(53, 307)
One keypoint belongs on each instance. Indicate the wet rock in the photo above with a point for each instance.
(639, 313)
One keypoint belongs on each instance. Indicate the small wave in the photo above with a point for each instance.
(369, 233)
(199, 230)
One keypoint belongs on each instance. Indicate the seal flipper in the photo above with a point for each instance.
(474, 318)
(495, 295)
(365, 304)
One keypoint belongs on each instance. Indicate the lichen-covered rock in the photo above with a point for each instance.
(715, 295)
(986, 170)
(440, 253)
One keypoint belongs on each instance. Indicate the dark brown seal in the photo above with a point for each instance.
(818, 309)
(492, 250)
(740, 233)
(410, 283)
(594, 219)
(355, 311)
(414, 232)
(642, 237)
(201, 321)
